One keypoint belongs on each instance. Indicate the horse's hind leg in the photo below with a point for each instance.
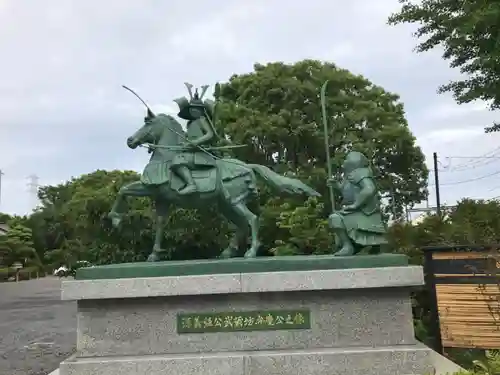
(241, 229)
(239, 214)
(252, 221)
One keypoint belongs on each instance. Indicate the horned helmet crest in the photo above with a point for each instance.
(196, 98)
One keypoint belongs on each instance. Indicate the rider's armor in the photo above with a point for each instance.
(200, 133)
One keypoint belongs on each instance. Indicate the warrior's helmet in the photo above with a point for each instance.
(194, 107)
(355, 160)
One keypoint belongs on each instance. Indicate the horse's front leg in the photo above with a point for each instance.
(134, 189)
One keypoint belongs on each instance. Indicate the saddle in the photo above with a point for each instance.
(160, 173)
(156, 173)
(205, 177)
(205, 180)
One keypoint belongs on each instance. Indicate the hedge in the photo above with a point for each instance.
(24, 274)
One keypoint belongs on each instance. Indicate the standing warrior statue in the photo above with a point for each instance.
(359, 222)
(200, 132)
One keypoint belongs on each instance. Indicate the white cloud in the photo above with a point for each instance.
(165, 108)
(450, 110)
(63, 111)
(216, 34)
(450, 135)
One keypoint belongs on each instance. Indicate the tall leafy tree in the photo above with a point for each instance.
(71, 226)
(4, 218)
(469, 222)
(17, 246)
(469, 32)
(275, 111)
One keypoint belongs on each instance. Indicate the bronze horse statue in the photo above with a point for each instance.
(228, 182)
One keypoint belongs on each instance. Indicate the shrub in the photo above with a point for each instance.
(4, 274)
(490, 365)
(26, 273)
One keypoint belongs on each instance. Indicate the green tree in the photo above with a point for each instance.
(469, 222)
(69, 254)
(17, 246)
(71, 226)
(469, 32)
(4, 218)
(275, 111)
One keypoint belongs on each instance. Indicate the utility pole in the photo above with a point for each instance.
(436, 182)
(33, 190)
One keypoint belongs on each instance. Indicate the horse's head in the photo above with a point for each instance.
(156, 128)
(150, 132)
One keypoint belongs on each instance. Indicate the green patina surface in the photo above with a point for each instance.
(243, 321)
(239, 265)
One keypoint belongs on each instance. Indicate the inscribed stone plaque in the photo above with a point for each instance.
(243, 321)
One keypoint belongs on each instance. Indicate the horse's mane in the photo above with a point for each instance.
(170, 119)
(165, 116)
(172, 123)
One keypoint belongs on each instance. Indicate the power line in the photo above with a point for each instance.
(473, 161)
(468, 167)
(469, 180)
(472, 164)
(473, 157)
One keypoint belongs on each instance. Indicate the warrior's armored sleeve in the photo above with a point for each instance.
(359, 174)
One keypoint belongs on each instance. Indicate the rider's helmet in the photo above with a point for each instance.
(195, 107)
(353, 161)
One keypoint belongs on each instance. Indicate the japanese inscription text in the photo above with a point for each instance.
(243, 321)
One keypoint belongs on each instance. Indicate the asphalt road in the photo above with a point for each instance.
(37, 329)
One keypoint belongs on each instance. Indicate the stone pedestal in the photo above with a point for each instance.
(312, 317)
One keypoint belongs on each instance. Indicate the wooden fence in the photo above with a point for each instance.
(464, 283)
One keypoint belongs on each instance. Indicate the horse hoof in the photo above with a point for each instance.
(158, 250)
(115, 219)
(227, 253)
(344, 252)
(251, 254)
(153, 257)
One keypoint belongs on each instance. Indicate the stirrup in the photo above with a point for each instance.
(188, 189)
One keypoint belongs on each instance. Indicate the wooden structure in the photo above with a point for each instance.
(464, 282)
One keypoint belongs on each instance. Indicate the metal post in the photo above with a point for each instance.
(430, 284)
(436, 181)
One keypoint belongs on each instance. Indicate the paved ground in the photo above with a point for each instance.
(37, 329)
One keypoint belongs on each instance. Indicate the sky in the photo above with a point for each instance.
(63, 111)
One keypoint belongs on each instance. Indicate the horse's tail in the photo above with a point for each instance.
(282, 183)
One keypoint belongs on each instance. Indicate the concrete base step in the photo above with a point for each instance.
(396, 360)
